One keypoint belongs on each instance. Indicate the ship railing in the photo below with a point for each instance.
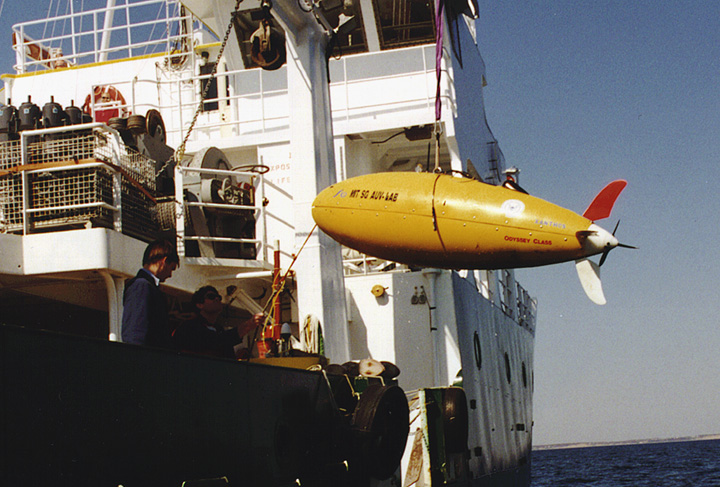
(254, 101)
(255, 112)
(507, 304)
(257, 209)
(366, 84)
(399, 78)
(276, 223)
(505, 293)
(356, 94)
(483, 285)
(355, 263)
(526, 308)
(522, 310)
(116, 32)
(70, 176)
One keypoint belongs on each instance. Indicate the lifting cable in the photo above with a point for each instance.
(438, 73)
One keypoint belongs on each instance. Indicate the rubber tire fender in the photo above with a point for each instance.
(155, 125)
(381, 423)
(455, 419)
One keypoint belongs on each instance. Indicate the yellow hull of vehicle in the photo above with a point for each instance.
(438, 220)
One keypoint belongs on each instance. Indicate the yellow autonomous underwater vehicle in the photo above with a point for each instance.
(438, 220)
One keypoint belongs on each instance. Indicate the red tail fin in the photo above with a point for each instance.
(603, 203)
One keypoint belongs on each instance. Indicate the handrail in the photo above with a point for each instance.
(26, 210)
(47, 51)
(522, 311)
(181, 203)
(244, 111)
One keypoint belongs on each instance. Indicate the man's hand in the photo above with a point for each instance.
(250, 324)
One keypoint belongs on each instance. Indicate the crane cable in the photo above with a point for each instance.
(439, 23)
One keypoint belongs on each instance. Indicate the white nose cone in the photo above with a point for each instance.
(599, 240)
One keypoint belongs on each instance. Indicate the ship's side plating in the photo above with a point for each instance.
(465, 330)
(498, 380)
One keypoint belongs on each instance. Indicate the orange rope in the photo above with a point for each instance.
(276, 292)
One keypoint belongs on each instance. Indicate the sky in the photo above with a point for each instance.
(581, 93)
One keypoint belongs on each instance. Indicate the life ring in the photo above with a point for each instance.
(108, 102)
(477, 350)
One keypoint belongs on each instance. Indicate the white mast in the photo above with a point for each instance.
(107, 32)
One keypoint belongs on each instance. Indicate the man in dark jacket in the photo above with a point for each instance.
(145, 314)
(204, 334)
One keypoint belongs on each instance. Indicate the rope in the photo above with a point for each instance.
(276, 292)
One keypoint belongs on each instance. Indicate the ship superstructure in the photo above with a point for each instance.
(265, 104)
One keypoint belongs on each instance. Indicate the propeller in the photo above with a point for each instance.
(589, 274)
(609, 247)
(595, 238)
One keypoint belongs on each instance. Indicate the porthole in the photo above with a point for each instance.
(478, 352)
(507, 368)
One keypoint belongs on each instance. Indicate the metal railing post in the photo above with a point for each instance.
(24, 184)
(261, 229)
(179, 211)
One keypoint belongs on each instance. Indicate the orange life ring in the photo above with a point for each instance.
(108, 102)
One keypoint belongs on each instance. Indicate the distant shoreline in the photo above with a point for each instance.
(563, 446)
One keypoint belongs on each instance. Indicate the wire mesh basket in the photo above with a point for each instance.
(65, 197)
(70, 184)
(10, 154)
(11, 203)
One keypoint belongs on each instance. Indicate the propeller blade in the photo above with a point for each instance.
(604, 256)
(608, 249)
(589, 274)
(602, 205)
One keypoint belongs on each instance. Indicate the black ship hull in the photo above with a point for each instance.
(79, 411)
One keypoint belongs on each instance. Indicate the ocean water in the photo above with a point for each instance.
(675, 464)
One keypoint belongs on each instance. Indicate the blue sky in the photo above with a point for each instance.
(581, 93)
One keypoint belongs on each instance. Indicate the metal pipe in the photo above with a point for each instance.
(107, 29)
(114, 319)
(437, 332)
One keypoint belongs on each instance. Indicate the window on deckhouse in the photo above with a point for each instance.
(404, 22)
(346, 16)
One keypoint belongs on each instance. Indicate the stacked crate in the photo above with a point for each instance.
(10, 187)
(70, 177)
